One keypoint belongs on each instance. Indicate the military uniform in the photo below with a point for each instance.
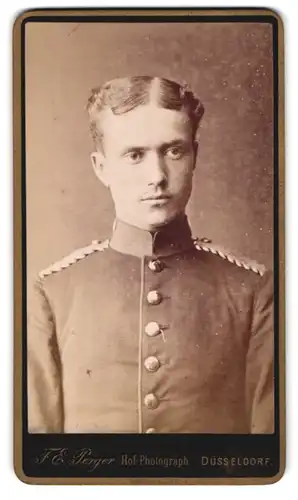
(151, 333)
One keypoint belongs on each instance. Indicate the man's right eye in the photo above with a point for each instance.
(135, 156)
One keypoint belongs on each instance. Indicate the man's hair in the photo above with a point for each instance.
(124, 94)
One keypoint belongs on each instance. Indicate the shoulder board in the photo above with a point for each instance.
(79, 254)
(250, 265)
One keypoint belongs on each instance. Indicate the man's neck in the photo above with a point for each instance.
(172, 238)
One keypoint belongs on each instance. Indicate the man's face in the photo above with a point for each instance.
(148, 163)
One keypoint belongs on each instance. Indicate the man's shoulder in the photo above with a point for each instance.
(74, 257)
(228, 260)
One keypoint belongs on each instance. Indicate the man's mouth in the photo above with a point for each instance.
(160, 197)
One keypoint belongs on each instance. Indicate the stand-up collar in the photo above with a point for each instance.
(173, 238)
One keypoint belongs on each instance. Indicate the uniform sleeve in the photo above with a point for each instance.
(45, 408)
(260, 361)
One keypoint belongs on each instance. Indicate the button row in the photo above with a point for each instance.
(152, 329)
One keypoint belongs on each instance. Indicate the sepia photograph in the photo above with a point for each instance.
(151, 293)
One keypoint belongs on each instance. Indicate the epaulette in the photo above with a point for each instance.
(207, 246)
(79, 254)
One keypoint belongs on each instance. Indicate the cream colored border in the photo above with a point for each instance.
(18, 242)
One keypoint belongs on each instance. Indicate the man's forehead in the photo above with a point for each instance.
(145, 122)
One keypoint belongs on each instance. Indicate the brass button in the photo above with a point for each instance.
(154, 297)
(151, 430)
(156, 266)
(152, 364)
(151, 401)
(152, 329)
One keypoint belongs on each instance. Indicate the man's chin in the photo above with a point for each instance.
(156, 221)
(150, 221)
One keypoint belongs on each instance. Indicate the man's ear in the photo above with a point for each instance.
(195, 153)
(99, 167)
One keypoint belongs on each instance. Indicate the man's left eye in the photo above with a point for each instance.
(175, 153)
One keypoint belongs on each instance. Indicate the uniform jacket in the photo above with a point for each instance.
(151, 333)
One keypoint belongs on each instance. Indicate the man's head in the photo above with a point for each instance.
(144, 132)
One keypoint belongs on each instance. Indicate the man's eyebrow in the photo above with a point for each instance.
(175, 142)
(131, 149)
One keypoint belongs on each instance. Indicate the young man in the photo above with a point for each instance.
(151, 331)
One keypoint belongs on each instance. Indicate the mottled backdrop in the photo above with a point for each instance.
(228, 65)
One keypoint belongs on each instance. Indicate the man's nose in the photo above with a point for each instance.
(157, 172)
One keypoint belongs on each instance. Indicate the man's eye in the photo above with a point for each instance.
(134, 156)
(175, 153)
